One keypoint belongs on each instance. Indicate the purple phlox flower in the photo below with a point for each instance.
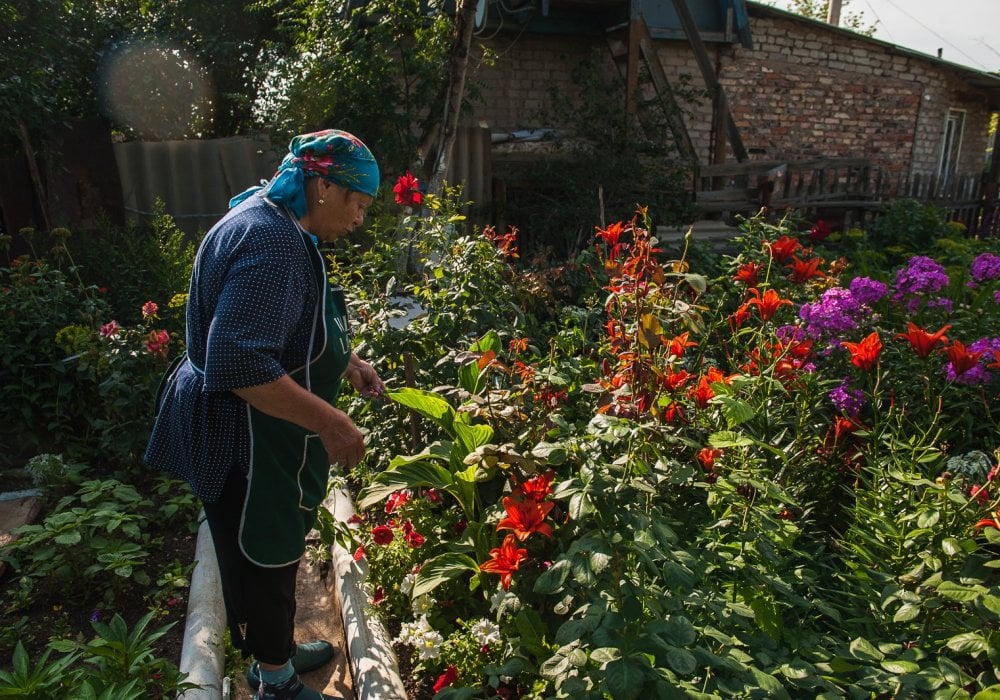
(95, 616)
(868, 291)
(985, 267)
(978, 374)
(921, 276)
(790, 334)
(996, 296)
(847, 400)
(942, 303)
(834, 313)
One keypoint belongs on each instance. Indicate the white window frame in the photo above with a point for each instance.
(951, 147)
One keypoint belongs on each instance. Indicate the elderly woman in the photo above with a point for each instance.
(248, 417)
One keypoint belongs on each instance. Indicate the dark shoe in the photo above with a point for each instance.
(308, 657)
(292, 689)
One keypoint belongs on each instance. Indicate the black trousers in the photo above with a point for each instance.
(260, 601)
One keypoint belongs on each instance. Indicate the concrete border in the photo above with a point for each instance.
(373, 662)
(203, 651)
(374, 668)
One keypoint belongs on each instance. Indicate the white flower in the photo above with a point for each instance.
(429, 645)
(406, 585)
(485, 632)
(423, 605)
(498, 598)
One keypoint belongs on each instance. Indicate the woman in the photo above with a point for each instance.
(248, 416)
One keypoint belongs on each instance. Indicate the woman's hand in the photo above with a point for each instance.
(364, 378)
(344, 443)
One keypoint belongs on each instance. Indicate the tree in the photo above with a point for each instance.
(379, 70)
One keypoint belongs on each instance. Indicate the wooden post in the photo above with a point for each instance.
(36, 178)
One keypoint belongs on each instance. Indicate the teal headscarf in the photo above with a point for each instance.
(333, 154)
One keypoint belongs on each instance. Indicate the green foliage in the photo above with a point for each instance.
(906, 226)
(332, 69)
(93, 543)
(65, 384)
(119, 663)
(718, 525)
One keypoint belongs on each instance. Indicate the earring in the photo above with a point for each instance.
(322, 201)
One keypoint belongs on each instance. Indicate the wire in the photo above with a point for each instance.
(945, 41)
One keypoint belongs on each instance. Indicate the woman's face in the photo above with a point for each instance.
(341, 212)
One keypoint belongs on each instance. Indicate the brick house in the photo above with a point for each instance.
(796, 89)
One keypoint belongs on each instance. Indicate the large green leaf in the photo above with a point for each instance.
(440, 569)
(406, 476)
(625, 678)
(440, 451)
(469, 437)
(427, 404)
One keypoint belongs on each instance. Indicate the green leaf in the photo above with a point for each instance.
(863, 650)
(951, 546)
(967, 643)
(404, 477)
(427, 404)
(769, 683)
(440, 569)
(553, 578)
(899, 667)
(990, 693)
(928, 518)
(682, 661)
(735, 411)
(906, 612)
(962, 594)
(469, 437)
(726, 438)
(625, 678)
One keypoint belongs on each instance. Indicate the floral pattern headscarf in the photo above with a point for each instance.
(333, 154)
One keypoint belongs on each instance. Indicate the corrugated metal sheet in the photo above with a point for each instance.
(472, 165)
(194, 179)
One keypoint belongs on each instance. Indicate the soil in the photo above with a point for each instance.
(51, 614)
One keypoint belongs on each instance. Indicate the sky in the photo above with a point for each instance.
(968, 31)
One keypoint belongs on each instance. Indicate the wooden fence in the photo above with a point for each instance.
(846, 191)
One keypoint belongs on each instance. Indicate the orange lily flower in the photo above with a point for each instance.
(702, 393)
(768, 303)
(962, 360)
(678, 343)
(747, 273)
(803, 270)
(865, 353)
(675, 380)
(525, 517)
(537, 488)
(783, 248)
(921, 341)
(707, 457)
(505, 560)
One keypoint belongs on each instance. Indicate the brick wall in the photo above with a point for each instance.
(803, 91)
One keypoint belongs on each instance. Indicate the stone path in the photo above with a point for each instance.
(16, 509)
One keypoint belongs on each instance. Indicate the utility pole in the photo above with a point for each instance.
(833, 13)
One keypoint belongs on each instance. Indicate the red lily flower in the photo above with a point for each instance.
(675, 380)
(707, 457)
(702, 393)
(768, 303)
(803, 270)
(525, 517)
(993, 522)
(962, 360)
(537, 488)
(611, 234)
(678, 343)
(505, 560)
(783, 248)
(407, 190)
(747, 273)
(865, 353)
(921, 341)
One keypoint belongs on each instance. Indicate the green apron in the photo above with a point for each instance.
(289, 467)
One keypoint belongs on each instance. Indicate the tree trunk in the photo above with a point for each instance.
(439, 158)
